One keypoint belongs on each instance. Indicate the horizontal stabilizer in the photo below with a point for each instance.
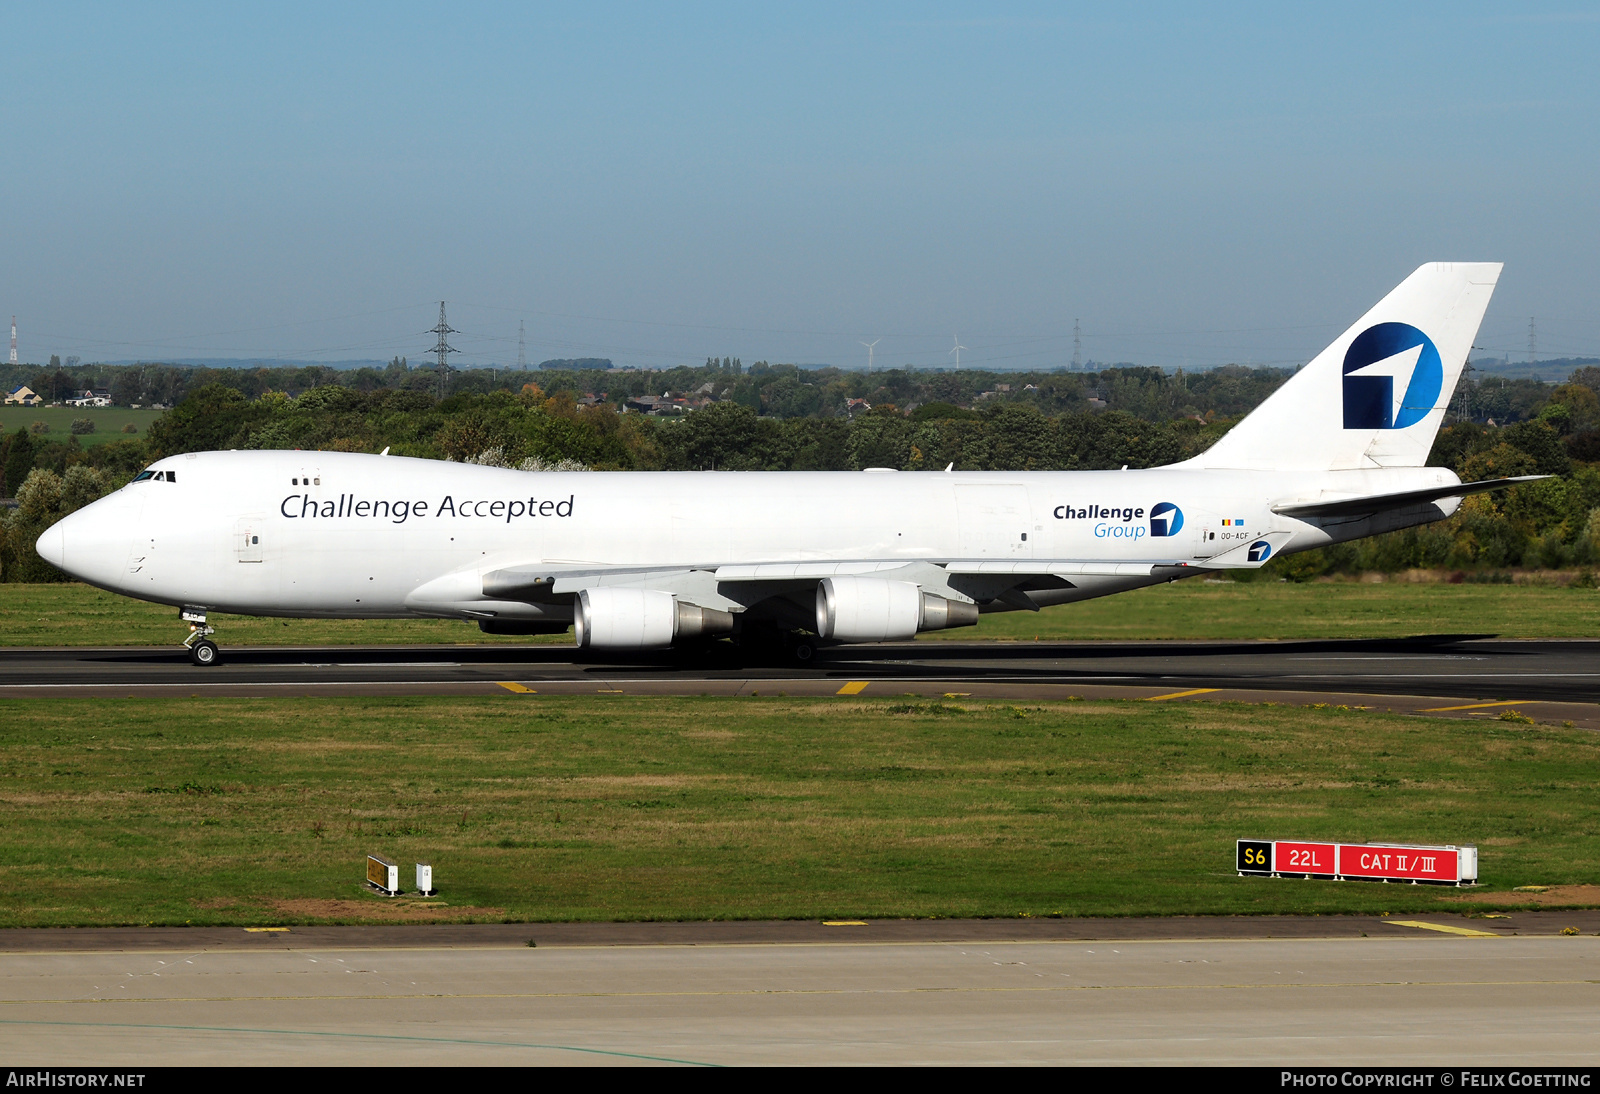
(1377, 503)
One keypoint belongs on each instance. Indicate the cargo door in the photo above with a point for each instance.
(994, 521)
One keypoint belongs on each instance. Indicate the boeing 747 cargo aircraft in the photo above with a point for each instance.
(649, 559)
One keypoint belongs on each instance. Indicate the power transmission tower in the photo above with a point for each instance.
(1533, 341)
(522, 346)
(1077, 346)
(444, 349)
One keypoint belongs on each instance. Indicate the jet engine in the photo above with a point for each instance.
(872, 609)
(641, 619)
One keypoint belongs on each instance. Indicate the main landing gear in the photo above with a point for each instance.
(202, 651)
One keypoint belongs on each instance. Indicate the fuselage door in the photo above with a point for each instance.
(994, 521)
(247, 539)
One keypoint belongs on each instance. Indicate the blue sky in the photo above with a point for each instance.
(657, 184)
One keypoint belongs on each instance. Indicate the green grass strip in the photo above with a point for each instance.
(535, 808)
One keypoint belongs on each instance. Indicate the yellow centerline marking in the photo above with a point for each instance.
(854, 687)
(1181, 694)
(512, 685)
(1467, 931)
(1477, 706)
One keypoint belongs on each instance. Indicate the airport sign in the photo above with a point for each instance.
(1448, 865)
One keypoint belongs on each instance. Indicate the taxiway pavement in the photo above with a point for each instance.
(1435, 990)
(1449, 675)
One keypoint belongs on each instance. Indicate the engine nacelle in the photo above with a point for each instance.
(641, 619)
(872, 609)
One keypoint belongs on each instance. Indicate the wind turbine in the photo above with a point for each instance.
(957, 350)
(869, 346)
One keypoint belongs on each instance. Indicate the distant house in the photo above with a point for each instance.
(23, 396)
(658, 404)
(98, 396)
(852, 407)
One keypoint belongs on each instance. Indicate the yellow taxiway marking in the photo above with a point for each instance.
(1477, 706)
(266, 930)
(512, 685)
(854, 687)
(844, 922)
(1470, 933)
(1181, 694)
(957, 694)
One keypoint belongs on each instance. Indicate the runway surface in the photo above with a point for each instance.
(1339, 991)
(1459, 675)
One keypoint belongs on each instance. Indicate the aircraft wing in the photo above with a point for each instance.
(726, 585)
(1022, 567)
(553, 579)
(1377, 503)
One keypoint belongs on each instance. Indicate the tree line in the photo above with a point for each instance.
(1549, 524)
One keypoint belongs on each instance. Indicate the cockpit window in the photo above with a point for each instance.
(141, 476)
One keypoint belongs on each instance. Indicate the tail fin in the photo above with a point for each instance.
(1375, 397)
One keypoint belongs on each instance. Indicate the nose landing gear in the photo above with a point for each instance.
(202, 651)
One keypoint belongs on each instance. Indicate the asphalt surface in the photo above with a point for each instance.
(773, 932)
(1344, 991)
(1457, 675)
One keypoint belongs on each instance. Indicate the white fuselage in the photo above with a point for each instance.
(349, 535)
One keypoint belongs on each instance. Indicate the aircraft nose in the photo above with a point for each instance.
(52, 546)
(91, 544)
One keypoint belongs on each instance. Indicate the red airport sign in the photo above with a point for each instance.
(1448, 865)
(1306, 859)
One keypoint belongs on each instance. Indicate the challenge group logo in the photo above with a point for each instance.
(1166, 519)
(1392, 377)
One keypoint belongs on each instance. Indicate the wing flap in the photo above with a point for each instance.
(1058, 567)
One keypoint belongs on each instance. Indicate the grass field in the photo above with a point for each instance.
(108, 421)
(600, 807)
(1198, 608)
(76, 615)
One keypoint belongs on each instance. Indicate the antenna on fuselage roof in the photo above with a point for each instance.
(385, 451)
